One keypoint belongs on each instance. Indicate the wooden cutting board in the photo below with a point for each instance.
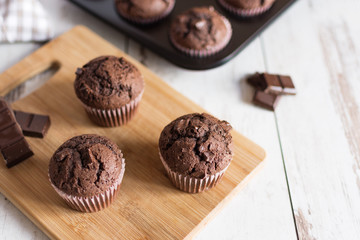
(148, 206)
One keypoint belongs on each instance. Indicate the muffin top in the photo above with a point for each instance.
(249, 4)
(144, 9)
(108, 82)
(200, 28)
(197, 145)
(85, 165)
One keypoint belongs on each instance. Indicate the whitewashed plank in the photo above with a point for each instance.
(262, 209)
(12, 53)
(319, 128)
(14, 225)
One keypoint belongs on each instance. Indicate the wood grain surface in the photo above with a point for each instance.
(148, 206)
(319, 129)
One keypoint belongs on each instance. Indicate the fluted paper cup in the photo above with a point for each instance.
(205, 52)
(245, 12)
(191, 184)
(93, 203)
(114, 117)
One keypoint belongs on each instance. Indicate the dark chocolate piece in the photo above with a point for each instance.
(256, 81)
(287, 85)
(79, 71)
(266, 100)
(16, 153)
(6, 117)
(13, 145)
(271, 83)
(10, 135)
(3, 104)
(32, 125)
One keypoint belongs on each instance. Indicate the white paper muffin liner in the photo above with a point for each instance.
(114, 117)
(245, 12)
(201, 53)
(148, 20)
(93, 203)
(191, 184)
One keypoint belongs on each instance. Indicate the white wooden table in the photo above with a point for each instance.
(310, 186)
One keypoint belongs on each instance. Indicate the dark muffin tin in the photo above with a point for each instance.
(155, 36)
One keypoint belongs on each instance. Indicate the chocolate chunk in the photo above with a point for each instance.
(266, 100)
(287, 85)
(3, 104)
(10, 135)
(16, 153)
(79, 71)
(257, 81)
(6, 117)
(200, 24)
(271, 83)
(32, 125)
(13, 145)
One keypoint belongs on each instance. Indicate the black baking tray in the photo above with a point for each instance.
(155, 36)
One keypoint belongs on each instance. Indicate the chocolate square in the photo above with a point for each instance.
(266, 100)
(16, 153)
(10, 135)
(13, 145)
(3, 104)
(257, 81)
(33, 125)
(272, 84)
(287, 85)
(6, 118)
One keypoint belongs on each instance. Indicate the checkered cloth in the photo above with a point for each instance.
(23, 21)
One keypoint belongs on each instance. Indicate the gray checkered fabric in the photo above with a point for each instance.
(23, 21)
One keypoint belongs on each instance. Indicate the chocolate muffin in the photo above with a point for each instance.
(247, 8)
(196, 149)
(87, 171)
(200, 32)
(110, 89)
(144, 11)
